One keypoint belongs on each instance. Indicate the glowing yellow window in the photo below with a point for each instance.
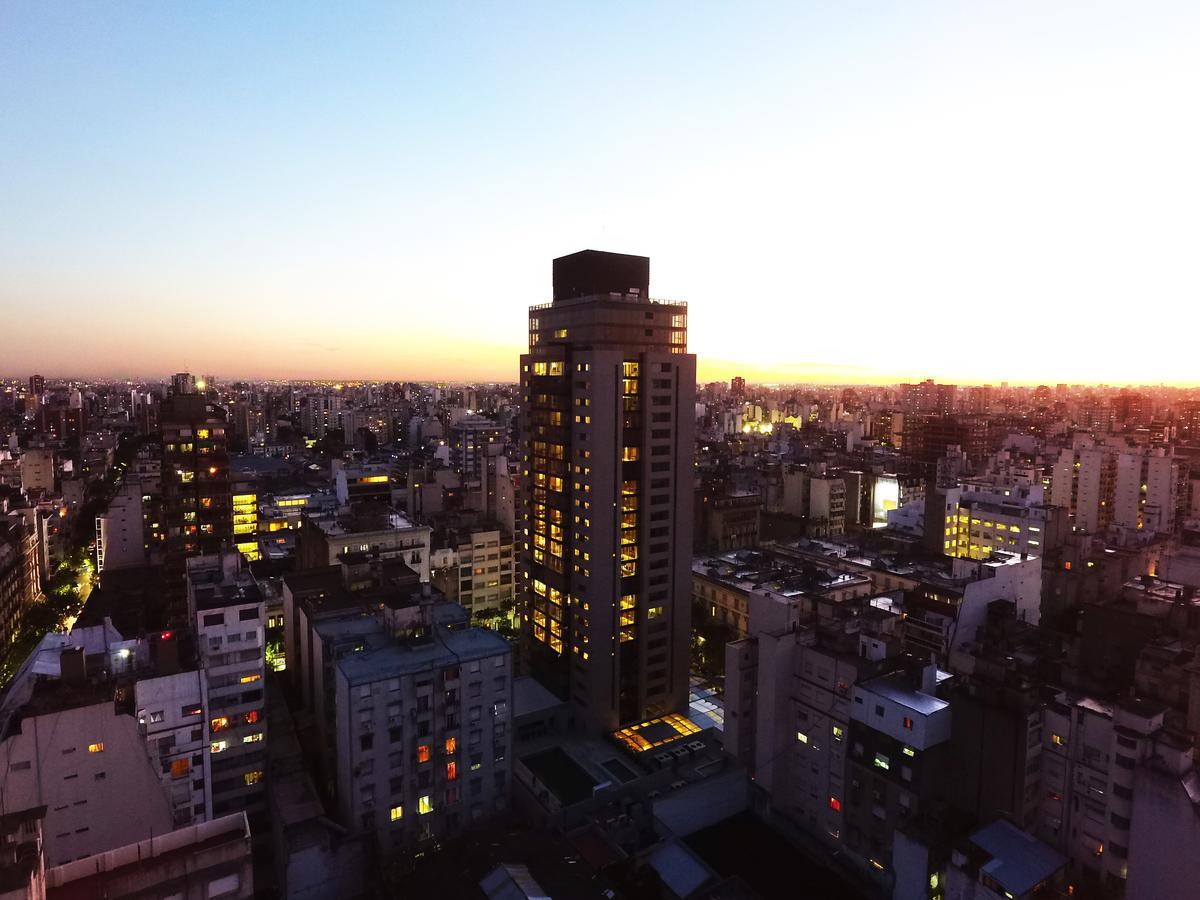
(396, 813)
(253, 777)
(97, 747)
(424, 805)
(630, 454)
(246, 679)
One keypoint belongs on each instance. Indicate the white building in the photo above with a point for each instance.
(85, 761)
(230, 614)
(170, 712)
(120, 534)
(1163, 863)
(1091, 754)
(947, 610)
(1145, 491)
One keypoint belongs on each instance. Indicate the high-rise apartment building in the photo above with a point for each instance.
(470, 440)
(228, 612)
(121, 530)
(607, 426)
(197, 509)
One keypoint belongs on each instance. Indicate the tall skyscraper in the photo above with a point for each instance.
(197, 504)
(607, 425)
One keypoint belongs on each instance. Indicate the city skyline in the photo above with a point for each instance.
(832, 193)
(621, 450)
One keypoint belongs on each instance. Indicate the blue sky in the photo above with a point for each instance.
(841, 191)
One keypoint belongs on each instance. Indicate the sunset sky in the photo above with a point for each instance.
(842, 192)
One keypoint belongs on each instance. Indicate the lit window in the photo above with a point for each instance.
(97, 747)
(424, 805)
(253, 777)
(396, 813)
(451, 745)
(1058, 740)
(218, 746)
(838, 732)
(881, 762)
(246, 679)
(909, 751)
(835, 804)
(252, 738)
(181, 767)
(218, 724)
(423, 753)
(802, 737)
(451, 770)
(908, 724)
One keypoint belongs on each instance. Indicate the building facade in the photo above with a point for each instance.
(607, 426)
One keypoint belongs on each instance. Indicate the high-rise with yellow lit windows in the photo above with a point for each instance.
(245, 519)
(607, 425)
(197, 507)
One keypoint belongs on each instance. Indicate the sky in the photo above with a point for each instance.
(843, 192)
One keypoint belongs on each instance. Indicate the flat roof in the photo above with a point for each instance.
(1020, 862)
(444, 648)
(530, 696)
(897, 688)
(565, 778)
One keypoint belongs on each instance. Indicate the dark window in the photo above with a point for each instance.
(247, 615)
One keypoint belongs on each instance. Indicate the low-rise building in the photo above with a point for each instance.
(389, 534)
